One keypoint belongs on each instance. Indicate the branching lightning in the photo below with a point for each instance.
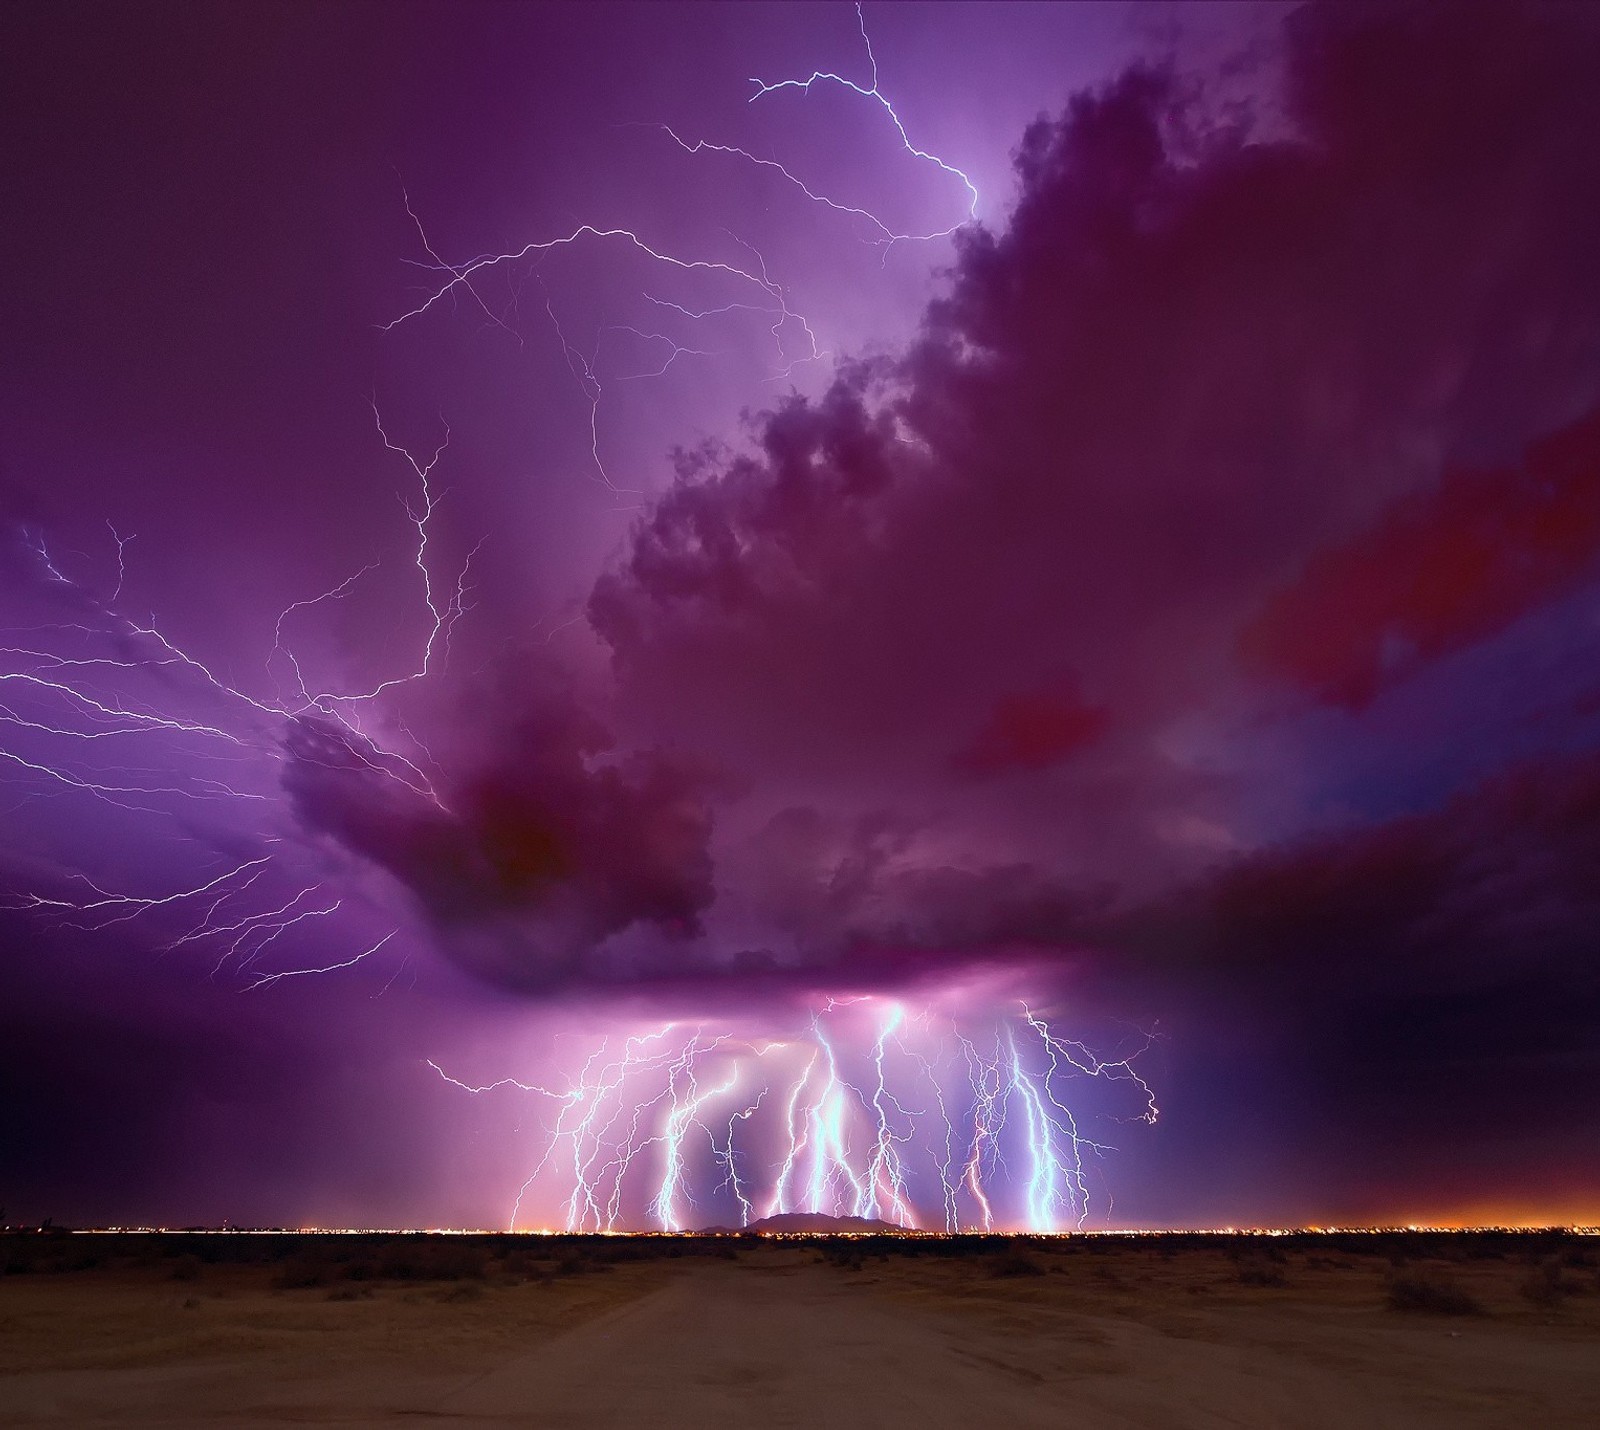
(868, 1113)
(109, 707)
(874, 93)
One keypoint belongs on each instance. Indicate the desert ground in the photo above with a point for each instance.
(1460, 1330)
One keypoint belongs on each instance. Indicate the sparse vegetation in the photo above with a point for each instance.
(466, 1291)
(302, 1272)
(1016, 1261)
(1431, 1292)
(1545, 1286)
(1262, 1273)
(1546, 1268)
(350, 1293)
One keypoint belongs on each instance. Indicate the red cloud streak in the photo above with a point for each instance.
(1033, 730)
(1440, 570)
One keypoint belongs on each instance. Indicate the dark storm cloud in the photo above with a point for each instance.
(1195, 398)
(1496, 882)
(1438, 571)
(867, 887)
(547, 849)
(1196, 365)
(738, 534)
(1429, 984)
(1173, 378)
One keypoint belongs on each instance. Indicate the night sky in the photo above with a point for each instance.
(1057, 565)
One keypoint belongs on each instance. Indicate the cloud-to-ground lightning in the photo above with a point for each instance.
(865, 1112)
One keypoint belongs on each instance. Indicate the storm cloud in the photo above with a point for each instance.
(541, 854)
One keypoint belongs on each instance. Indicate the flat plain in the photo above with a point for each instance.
(1323, 1330)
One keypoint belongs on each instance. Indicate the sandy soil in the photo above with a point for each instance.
(784, 1337)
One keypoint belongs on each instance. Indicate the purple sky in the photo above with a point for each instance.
(1158, 612)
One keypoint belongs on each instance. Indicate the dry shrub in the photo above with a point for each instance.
(1016, 1261)
(426, 1259)
(466, 1291)
(1545, 1287)
(1262, 1273)
(1432, 1293)
(300, 1272)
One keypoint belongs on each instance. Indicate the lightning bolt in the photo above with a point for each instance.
(825, 1121)
(873, 92)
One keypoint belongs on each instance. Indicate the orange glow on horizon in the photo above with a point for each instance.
(1569, 1209)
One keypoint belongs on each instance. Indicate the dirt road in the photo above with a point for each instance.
(735, 1347)
(776, 1340)
(731, 1346)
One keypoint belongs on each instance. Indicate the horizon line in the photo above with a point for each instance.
(788, 1234)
